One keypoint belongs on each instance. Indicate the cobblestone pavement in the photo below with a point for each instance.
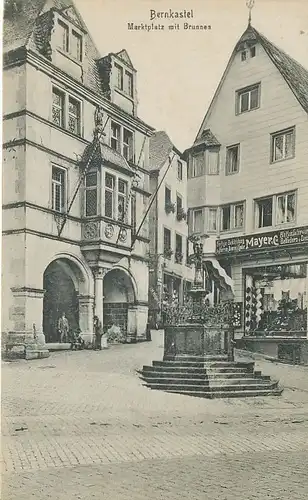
(82, 425)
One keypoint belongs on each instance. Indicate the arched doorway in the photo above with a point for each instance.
(61, 284)
(119, 301)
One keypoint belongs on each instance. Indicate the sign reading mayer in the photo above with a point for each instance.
(273, 239)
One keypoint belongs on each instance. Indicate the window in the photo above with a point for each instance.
(73, 116)
(232, 217)
(198, 221)
(264, 212)
(252, 51)
(68, 40)
(91, 194)
(58, 100)
(76, 45)
(178, 249)
(122, 140)
(63, 35)
(226, 218)
(119, 76)
(128, 87)
(285, 209)
(167, 196)
(212, 220)
(213, 162)
(115, 136)
(58, 189)
(283, 145)
(128, 144)
(178, 204)
(248, 99)
(232, 159)
(122, 196)
(243, 55)
(238, 216)
(167, 239)
(180, 170)
(66, 111)
(109, 195)
(197, 167)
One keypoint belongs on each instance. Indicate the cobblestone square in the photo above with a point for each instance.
(82, 425)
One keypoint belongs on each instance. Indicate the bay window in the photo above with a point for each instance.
(109, 195)
(91, 198)
(122, 196)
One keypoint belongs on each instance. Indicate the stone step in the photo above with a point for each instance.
(165, 374)
(194, 385)
(213, 382)
(173, 369)
(201, 359)
(192, 364)
(176, 381)
(232, 394)
(205, 364)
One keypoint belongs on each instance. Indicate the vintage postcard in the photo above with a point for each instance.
(155, 249)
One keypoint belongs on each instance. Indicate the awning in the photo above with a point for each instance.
(218, 274)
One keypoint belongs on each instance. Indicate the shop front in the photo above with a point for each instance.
(271, 291)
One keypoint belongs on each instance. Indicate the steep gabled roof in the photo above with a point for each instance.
(20, 18)
(295, 75)
(207, 138)
(160, 148)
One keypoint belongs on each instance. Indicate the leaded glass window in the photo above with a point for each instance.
(58, 189)
(58, 100)
(109, 195)
(74, 116)
(91, 194)
(122, 194)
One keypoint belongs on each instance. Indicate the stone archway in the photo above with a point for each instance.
(119, 302)
(65, 284)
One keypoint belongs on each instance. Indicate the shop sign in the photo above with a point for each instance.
(270, 240)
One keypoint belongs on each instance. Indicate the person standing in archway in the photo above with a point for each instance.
(63, 328)
(98, 333)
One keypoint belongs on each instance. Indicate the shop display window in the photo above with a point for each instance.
(276, 300)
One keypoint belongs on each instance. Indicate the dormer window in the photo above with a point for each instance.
(69, 40)
(128, 84)
(124, 80)
(119, 76)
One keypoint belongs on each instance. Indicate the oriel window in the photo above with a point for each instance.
(122, 196)
(109, 195)
(91, 194)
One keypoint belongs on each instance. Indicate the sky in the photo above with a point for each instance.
(178, 71)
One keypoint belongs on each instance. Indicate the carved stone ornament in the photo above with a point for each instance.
(91, 231)
(123, 235)
(109, 231)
